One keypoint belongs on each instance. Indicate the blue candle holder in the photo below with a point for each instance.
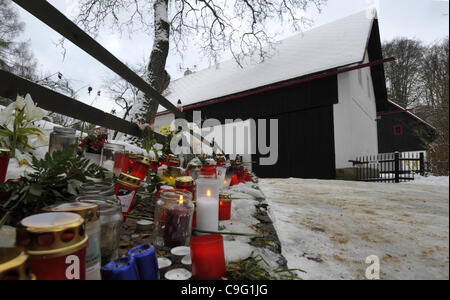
(146, 261)
(124, 268)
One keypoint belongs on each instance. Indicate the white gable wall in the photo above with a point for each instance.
(355, 125)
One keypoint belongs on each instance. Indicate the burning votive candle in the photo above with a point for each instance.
(207, 202)
(208, 257)
(124, 268)
(146, 261)
(173, 217)
(179, 221)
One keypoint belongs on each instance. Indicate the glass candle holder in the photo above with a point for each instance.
(113, 158)
(141, 167)
(4, 162)
(111, 220)
(91, 214)
(221, 171)
(51, 240)
(224, 207)
(14, 265)
(228, 177)
(62, 138)
(173, 219)
(208, 257)
(126, 190)
(207, 196)
(170, 175)
(173, 161)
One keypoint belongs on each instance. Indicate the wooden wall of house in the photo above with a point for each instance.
(398, 131)
(305, 129)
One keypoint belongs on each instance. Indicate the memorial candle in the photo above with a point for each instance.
(178, 225)
(208, 257)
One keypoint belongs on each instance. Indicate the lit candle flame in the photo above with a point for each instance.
(225, 181)
(208, 193)
(181, 199)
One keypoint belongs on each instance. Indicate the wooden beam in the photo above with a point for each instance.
(49, 15)
(12, 85)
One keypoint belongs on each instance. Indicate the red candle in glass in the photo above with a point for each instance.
(4, 162)
(56, 244)
(208, 257)
(224, 207)
(178, 220)
(126, 189)
(141, 167)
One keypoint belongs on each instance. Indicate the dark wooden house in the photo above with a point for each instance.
(403, 131)
(324, 86)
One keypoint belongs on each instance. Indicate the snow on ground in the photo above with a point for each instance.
(429, 180)
(329, 228)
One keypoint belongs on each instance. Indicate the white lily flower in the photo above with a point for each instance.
(20, 103)
(6, 114)
(32, 112)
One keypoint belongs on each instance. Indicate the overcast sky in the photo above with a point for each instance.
(426, 20)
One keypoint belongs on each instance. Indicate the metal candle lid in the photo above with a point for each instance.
(129, 180)
(184, 181)
(174, 159)
(146, 160)
(52, 234)
(89, 211)
(225, 197)
(4, 152)
(13, 265)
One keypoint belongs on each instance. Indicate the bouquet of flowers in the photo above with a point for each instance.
(93, 143)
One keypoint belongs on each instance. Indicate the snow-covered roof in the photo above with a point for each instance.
(342, 42)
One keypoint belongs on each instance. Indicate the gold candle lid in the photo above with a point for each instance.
(89, 211)
(5, 152)
(146, 160)
(184, 181)
(129, 180)
(52, 234)
(13, 265)
(225, 197)
(174, 159)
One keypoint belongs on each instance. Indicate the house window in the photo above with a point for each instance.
(398, 130)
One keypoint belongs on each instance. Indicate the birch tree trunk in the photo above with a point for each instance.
(157, 75)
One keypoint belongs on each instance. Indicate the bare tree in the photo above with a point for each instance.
(124, 94)
(15, 56)
(237, 26)
(435, 78)
(403, 75)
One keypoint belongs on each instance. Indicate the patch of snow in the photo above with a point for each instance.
(333, 45)
(236, 250)
(329, 228)
(430, 180)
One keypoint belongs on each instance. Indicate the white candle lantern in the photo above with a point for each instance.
(207, 202)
